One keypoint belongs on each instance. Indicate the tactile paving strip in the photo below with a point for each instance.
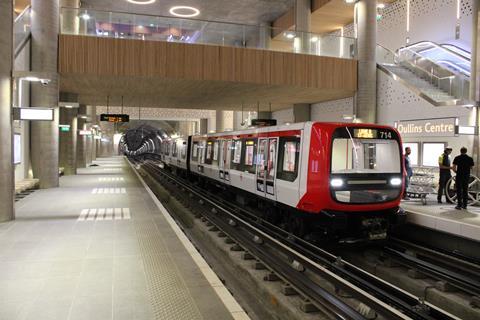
(169, 296)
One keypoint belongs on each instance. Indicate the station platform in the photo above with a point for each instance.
(100, 247)
(444, 217)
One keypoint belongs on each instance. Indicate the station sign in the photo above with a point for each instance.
(114, 117)
(35, 114)
(64, 127)
(439, 127)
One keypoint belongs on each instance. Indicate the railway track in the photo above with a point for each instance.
(298, 262)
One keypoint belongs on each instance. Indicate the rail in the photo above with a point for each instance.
(372, 291)
(123, 25)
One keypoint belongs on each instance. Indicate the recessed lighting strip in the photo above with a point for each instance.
(141, 2)
(194, 11)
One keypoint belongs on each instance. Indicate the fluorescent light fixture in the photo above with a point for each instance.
(314, 39)
(68, 106)
(85, 133)
(42, 114)
(336, 182)
(64, 126)
(348, 117)
(350, 1)
(381, 5)
(141, 1)
(82, 116)
(85, 16)
(395, 181)
(36, 79)
(190, 11)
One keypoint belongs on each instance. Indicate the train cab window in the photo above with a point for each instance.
(288, 158)
(195, 151)
(249, 156)
(216, 148)
(183, 152)
(236, 162)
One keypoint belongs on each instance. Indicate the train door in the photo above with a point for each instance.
(266, 167)
(224, 163)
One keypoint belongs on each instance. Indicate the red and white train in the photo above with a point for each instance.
(342, 180)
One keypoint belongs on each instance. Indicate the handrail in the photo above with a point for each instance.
(438, 46)
(202, 20)
(22, 13)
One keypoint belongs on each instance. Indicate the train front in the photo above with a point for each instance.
(365, 179)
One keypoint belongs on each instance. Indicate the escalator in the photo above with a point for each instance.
(438, 73)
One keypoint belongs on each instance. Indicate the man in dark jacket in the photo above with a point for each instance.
(462, 165)
(445, 174)
(408, 171)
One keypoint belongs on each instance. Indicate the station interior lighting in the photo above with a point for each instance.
(141, 1)
(184, 11)
(85, 16)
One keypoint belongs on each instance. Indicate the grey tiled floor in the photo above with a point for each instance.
(54, 264)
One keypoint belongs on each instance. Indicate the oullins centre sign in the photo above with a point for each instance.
(441, 127)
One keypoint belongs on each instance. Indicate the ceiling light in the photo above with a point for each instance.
(85, 16)
(289, 35)
(188, 12)
(381, 5)
(314, 39)
(141, 1)
(69, 106)
(350, 1)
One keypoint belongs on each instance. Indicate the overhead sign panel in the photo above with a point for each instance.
(114, 117)
(85, 132)
(39, 114)
(441, 127)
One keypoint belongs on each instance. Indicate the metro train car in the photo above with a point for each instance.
(339, 180)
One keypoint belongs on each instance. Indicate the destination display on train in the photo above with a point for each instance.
(364, 133)
(114, 117)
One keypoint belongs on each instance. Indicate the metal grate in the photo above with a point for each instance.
(169, 295)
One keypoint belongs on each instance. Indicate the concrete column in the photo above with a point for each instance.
(92, 114)
(68, 141)
(264, 115)
(81, 140)
(203, 128)
(303, 25)
(301, 112)
(264, 36)
(7, 184)
(224, 120)
(367, 66)
(44, 134)
(475, 83)
(69, 18)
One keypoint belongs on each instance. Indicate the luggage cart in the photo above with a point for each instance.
(422, 183)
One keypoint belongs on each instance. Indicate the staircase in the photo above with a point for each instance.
(419, 83)
(430, 80)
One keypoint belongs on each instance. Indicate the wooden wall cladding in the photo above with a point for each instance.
(119, 57)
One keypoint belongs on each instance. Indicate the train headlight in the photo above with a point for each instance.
(336, 182)
(395, 181)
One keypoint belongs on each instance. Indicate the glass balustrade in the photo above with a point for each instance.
(21, 27)
(122, 25)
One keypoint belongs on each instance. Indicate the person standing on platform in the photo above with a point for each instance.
(445, 166)
(462, 165)
(408, 170)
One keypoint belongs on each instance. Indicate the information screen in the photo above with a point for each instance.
(365, 133)
(115, 117)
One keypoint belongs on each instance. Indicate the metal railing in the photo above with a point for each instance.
(124, 25)
(451, 83)
(21, 28)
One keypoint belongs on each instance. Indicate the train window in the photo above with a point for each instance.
(167, 148)
(174, 149)
(195, 151)
(183, 152)
(236, 162)
(201, 151)
(288, 158)
(250, 146)
(209, 152)
(272, 157)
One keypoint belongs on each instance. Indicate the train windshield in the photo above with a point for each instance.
(365, 165)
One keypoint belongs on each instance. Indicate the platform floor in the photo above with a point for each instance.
(444, 217)
(99, 247)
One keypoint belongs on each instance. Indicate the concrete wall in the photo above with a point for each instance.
(283, 116)
(332, 111)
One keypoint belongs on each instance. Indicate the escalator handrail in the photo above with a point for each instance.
(22, 13)
(440, 46)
